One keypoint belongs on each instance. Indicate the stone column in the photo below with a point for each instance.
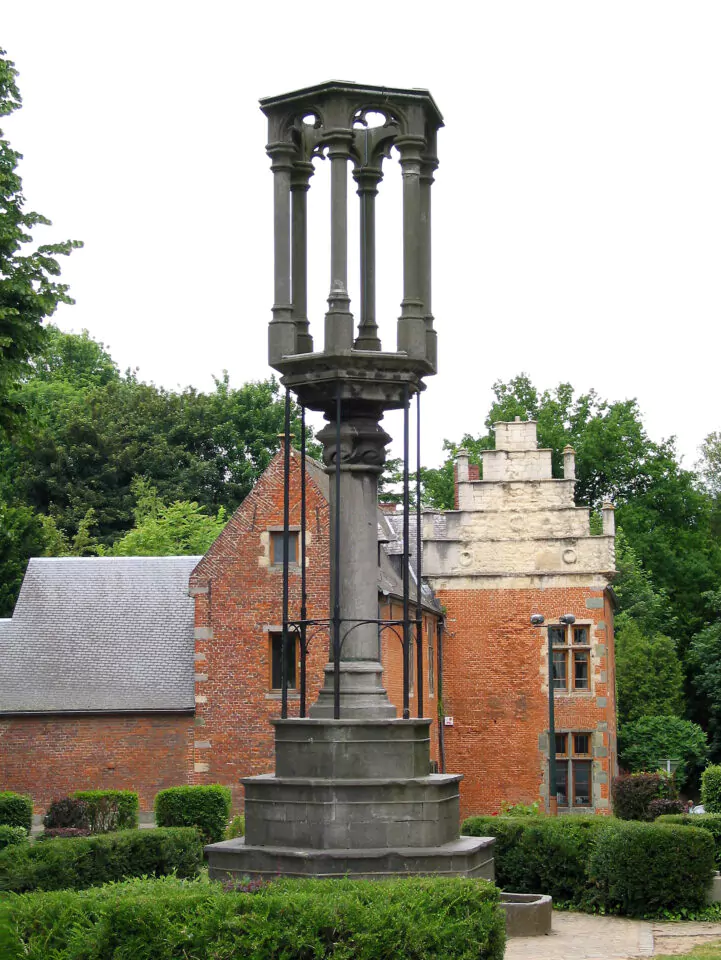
(428, 166)
(362, 455)
(281, 330)
(608, 515)
(299, 184)
(569, 463)
(338, 319)
(368, 179)
(411, 324)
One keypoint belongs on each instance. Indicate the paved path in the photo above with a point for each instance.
(580, 936)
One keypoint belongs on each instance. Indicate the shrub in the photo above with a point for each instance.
(711, 789)
(89, 861)
(109, 809)
(207, 808)
(632, 794)
(64, 832)
(11, 836)
(541, 854)
(16, 810)
(644, 869)
(661, 807)
(703, 821)
(236, 828)
(445, 918)
(68, 813)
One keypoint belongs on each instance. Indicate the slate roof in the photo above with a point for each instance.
(100, 634)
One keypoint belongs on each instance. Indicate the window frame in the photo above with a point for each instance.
(565, 653)
(293, 641)
(276, 537)
(570, 759)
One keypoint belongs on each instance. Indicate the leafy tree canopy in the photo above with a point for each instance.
(29, 290)
(649, 676)
(646, 742)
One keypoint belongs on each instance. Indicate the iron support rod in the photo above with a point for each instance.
(419, 561)
(286, 572)
(552, 789)
(336, 578)
(303, 584)
(406, 559)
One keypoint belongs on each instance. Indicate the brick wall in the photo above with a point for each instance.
(50, 757)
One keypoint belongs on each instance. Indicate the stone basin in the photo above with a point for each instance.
(527, 914)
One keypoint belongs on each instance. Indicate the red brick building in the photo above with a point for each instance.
(147, 672)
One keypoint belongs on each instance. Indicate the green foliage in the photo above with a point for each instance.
(649, 677)
(29, 292)
(90, 861)
(700, 821)
(664, 806)
(711, 789)
(641, 869)
(444, 918)
(16, 810)
(633, 794)
(11, 836)
(107, 810)
(521, 809)
(236, 828)
(541, 854)
(709, 467)
(704, 660)
(645, 742)
(204, 807)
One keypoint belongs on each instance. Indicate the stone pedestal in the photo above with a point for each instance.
(351, 797)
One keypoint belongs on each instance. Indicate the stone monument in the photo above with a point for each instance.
(352, 793)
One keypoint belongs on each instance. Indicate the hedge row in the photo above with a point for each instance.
(90, 861)
(204, 807)
(445, 918)
(109, 809)
(16, 810)
(704, 821)
(640, 869)
(11, 836)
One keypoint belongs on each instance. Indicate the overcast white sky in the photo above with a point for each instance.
(576, 211)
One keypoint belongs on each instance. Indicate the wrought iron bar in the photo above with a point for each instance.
(336, 601)
(303, 584)
(419, 567)
(406, 559)
(286, 572)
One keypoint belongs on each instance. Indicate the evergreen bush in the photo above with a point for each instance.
(642, 869)
(16, 810)
(633, 793)
(11, 836)
(702, 821)
(90, 861)
(109, 809)
(204, 807)
(711, 788)
(445, 918)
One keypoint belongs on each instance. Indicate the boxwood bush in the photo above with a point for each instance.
(711, 788)
(16, 810)
(108, 810)
(89, 861)
(445, 918)
(11, 836)
(204, 807)
(643, 869)
(704, 821)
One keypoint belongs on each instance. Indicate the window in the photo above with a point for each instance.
(276, 548)
(275, 642)
(573, 769)
(411, 662)
(571, 658)
(431, 659)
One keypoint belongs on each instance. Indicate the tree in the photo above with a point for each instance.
(645, 742)
(705, 665)
(649, 676)
(709, 466)
(29, 291)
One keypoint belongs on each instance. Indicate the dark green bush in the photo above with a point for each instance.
(11, 836)
(444, 918)
(109, 809)
(204, 807)
(541, 854)
(711, 789)
(661, 807)
(68, 813)
(16, 810)
(633, 793)
(642, 869)
(89, 861)
(703, 821)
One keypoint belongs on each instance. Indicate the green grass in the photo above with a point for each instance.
(710, 951)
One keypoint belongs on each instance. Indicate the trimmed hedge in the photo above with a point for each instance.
(81, 862)
(643, 869)
(11, 836)
(541, 854)
(204, 807)
(445, 918)
(108, 810)
(711, 789)
(703, 821)
(16, 810)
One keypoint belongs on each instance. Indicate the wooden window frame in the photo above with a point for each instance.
(276, 537)
(566, 652)
(570, 758)
(293, 638)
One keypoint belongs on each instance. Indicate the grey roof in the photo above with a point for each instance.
(100, 633)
